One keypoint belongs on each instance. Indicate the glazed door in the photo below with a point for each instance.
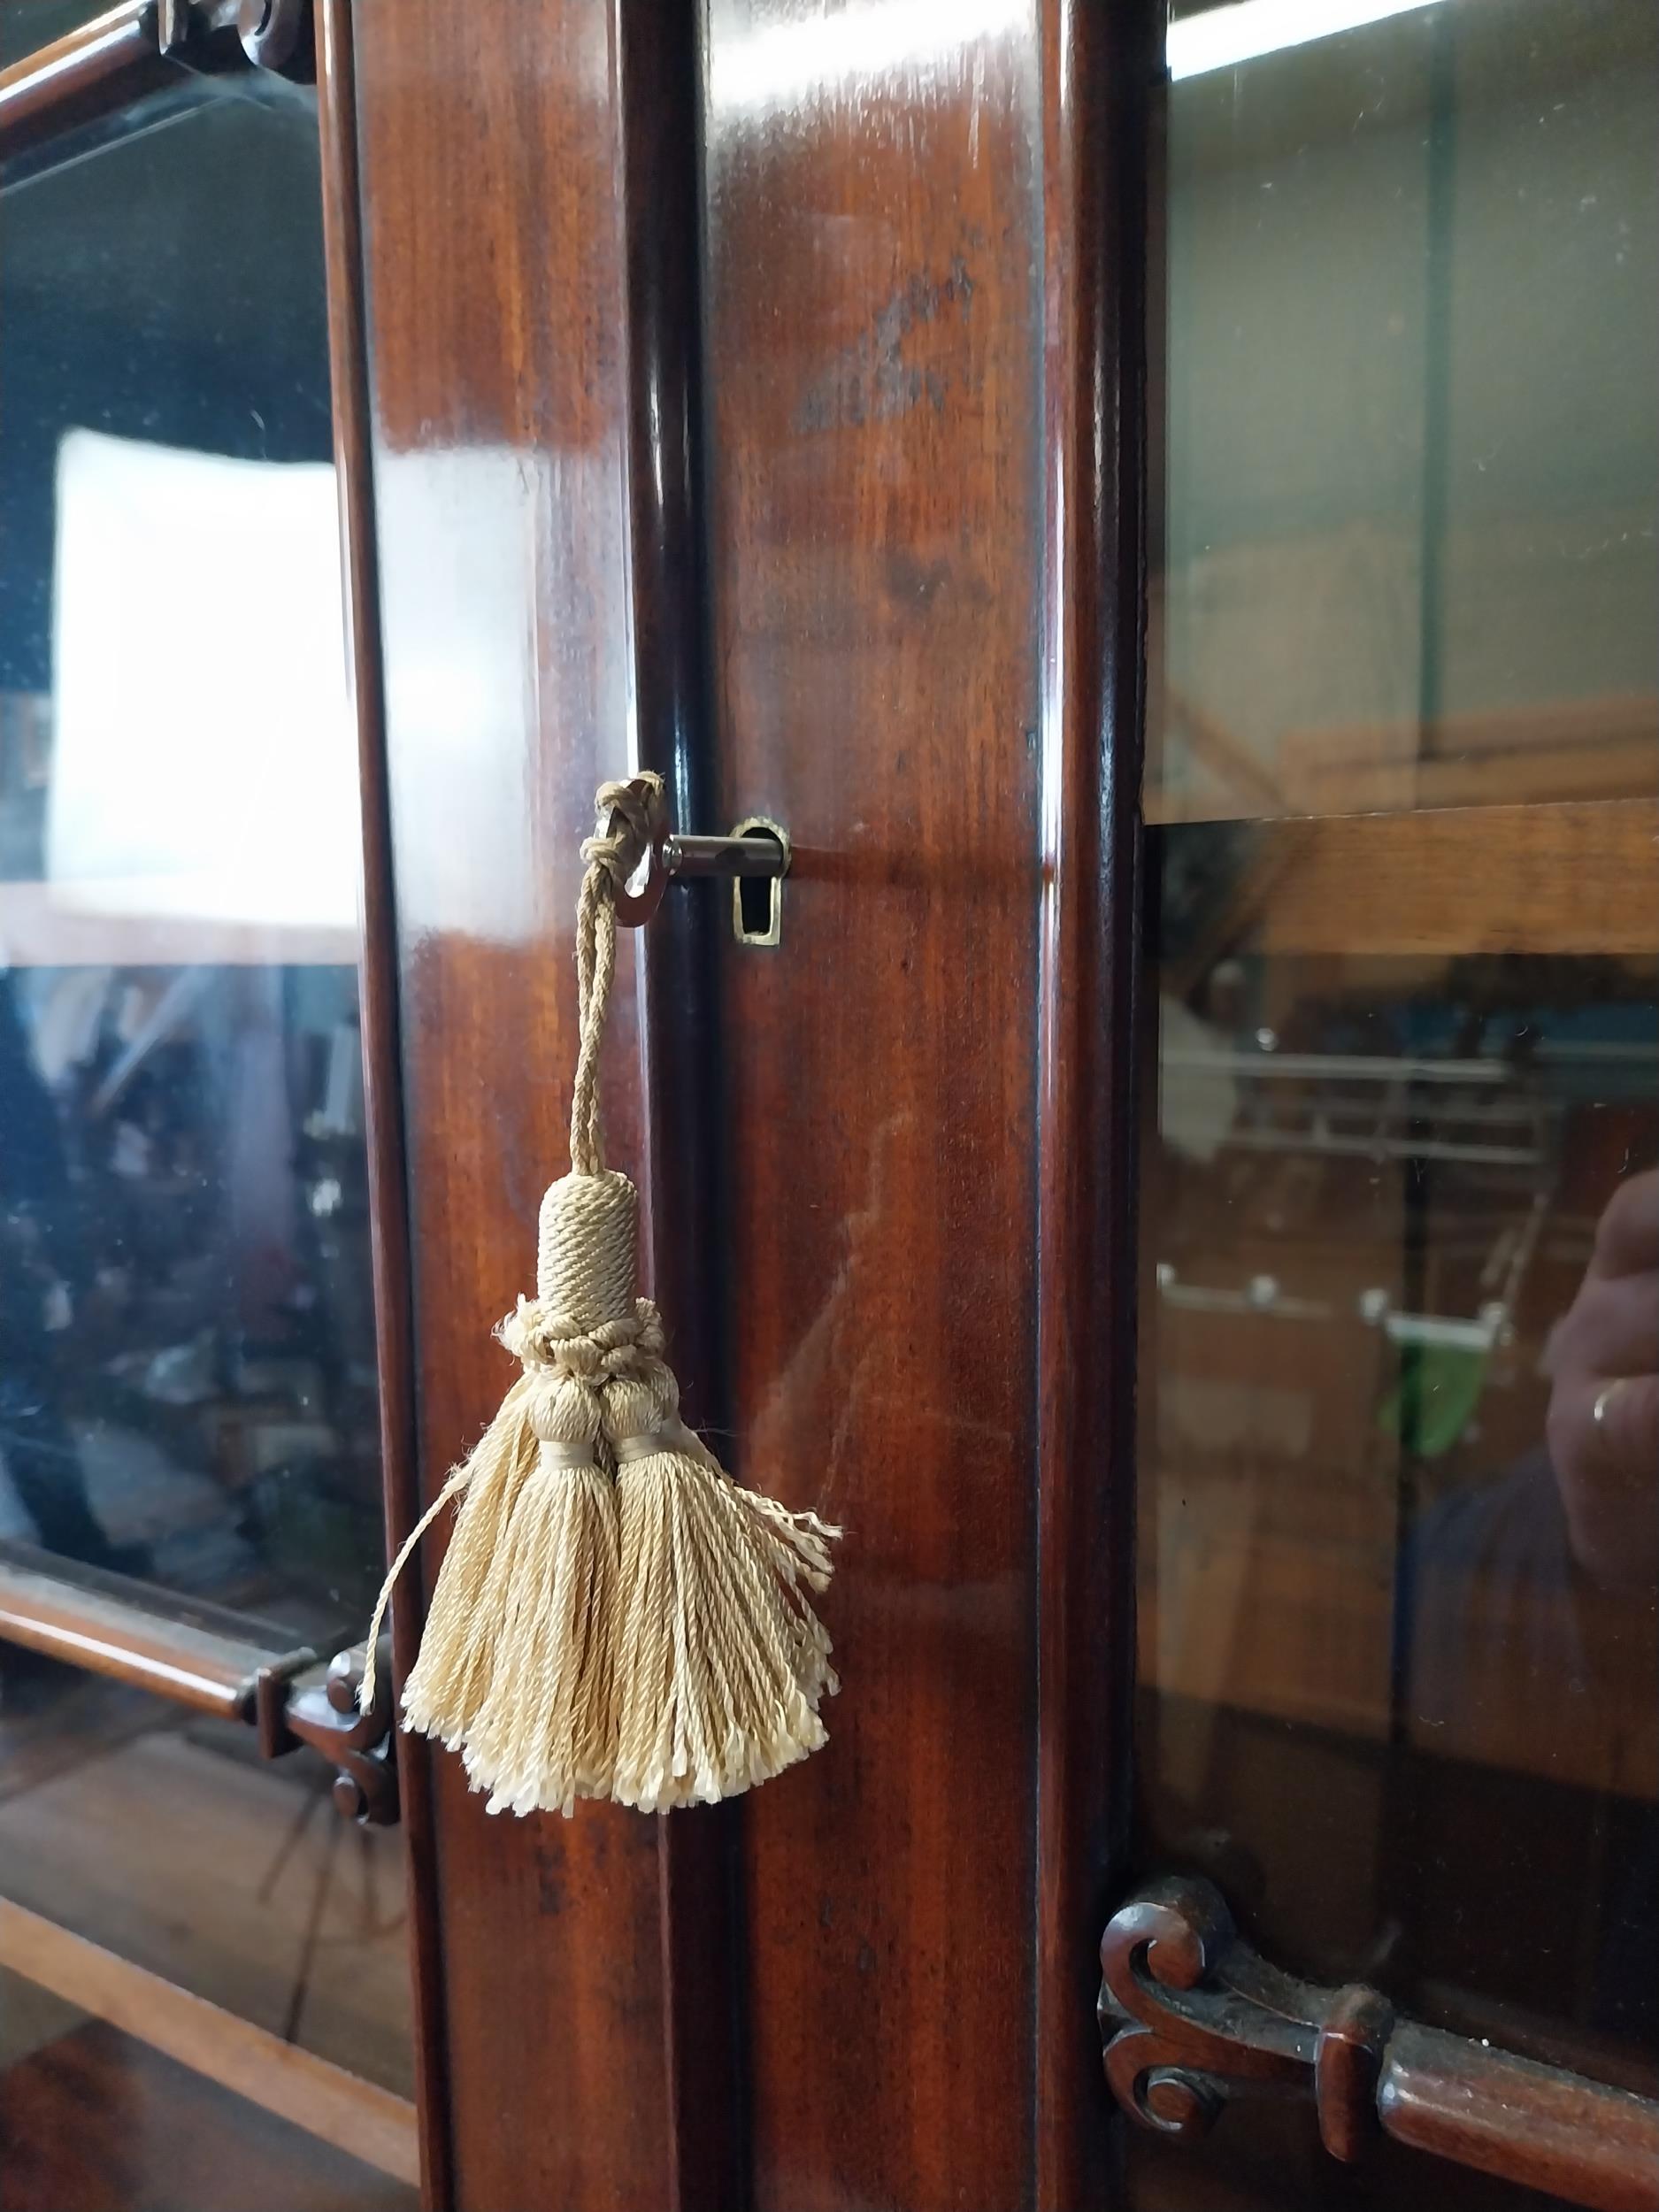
(891, 420)
(204, 1996)
(1398, 1531)
(1163, 516)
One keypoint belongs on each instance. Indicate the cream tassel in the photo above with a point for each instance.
(720, 1661)
(647, 1637)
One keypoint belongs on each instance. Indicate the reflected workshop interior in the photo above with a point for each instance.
(1406, 1058)
(187, 1394)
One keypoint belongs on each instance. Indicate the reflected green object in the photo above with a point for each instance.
(1435, 1398)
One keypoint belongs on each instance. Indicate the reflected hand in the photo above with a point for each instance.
(1603, 1361)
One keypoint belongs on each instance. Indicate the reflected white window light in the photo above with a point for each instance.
(808, 57)
(1246, 29)
(203, 764)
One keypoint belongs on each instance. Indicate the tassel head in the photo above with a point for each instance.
(587, 1251)
(614, 1616)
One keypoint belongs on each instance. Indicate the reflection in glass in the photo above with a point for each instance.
(1399, 1578)
(135, 2115)
(188, 1328)
(187, 1354)
(1410, 558)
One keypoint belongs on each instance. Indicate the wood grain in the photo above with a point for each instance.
(873, 371)
(497, 286)
(327, 2101)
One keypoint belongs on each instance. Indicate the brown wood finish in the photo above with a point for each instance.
(1579, 877)
(382, 1044)
(1577, 2140)
(107, 60)
(875, 351)
(187, 1653)
(1187, 2009)
(881, 578)
(681, 1136)
(499, 293)
(324, 2099)
(1573, 877)
(1099, 67)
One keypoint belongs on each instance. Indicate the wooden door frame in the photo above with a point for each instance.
(1103, 87)
(387, 70)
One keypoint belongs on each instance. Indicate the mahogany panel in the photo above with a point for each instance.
(497, 283)
(872, 312)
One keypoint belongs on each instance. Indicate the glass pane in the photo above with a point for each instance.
(190, 1371)
(25, 25)
(1412, 324)
(1399, 1586)
(92, 2117)
(187, 1354)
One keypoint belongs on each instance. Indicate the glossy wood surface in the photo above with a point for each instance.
(812, 475)
(877, 511)
(851, 1145)
(1099, 68)
(108, 59)
(492, 154)
(1577, 2140)
(178, 1651)
(681, 1147)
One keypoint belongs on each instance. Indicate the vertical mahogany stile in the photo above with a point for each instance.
(682, 1163)
(1099, 67)
(383, 1088)
(497, 293)
(871, 304)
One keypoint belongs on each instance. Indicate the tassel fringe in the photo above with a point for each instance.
(720, 1662)
(614, 1616)
(541, 1736)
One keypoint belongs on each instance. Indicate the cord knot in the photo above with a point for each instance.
(540, 1336)
(625, 822)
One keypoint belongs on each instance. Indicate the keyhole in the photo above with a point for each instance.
(757, 900)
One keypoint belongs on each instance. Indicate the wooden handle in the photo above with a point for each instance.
(1191, 2016)
(1539, 2125)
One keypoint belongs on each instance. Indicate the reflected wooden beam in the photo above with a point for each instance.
(1580, 878)
(1575, 877)
(355, 2116)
